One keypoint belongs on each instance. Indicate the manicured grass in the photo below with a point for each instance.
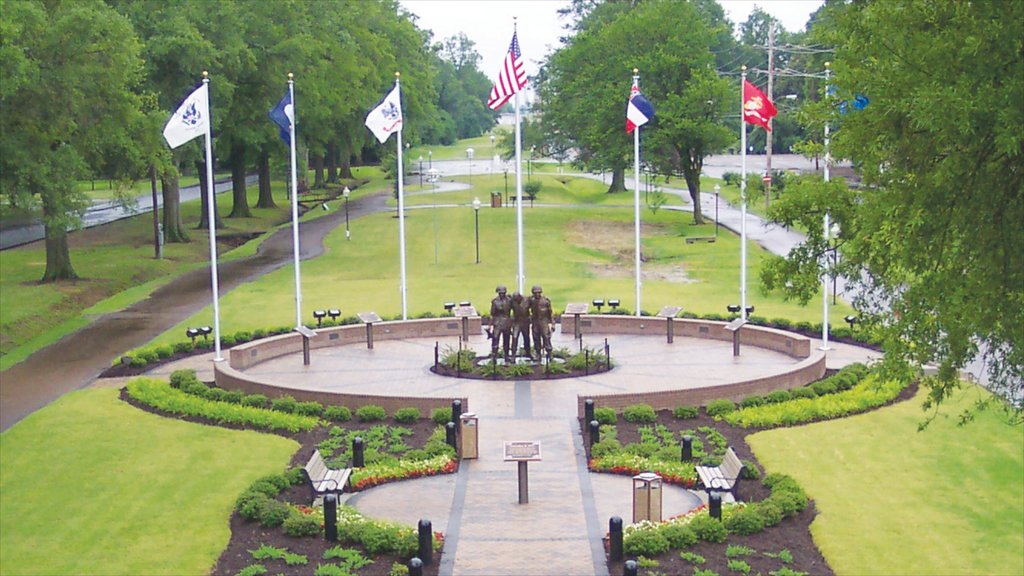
(90, 485)
(892, 500)
(481, 146)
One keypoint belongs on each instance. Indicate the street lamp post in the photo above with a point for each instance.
(345, 193)
(421, 170)
(506, 184)
(476, 210)
(718, 189)
(430, 158)
(469, 156)
(835, 258)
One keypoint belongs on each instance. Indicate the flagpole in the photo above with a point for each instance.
(636, 196)
(743, 200)
(401, 217)
(211, 208)
(295, 204)
(521, 276)
(824, 277)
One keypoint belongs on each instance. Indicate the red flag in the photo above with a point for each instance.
(757, 108)
(511, 79)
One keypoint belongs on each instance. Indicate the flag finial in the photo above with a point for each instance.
(206, 74)
(291, 76)
(636, 71)
(397, 74)
(828, 64)
(743, 68)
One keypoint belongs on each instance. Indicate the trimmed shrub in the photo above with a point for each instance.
(770, 512)
(309, 408)
(708, 529)
(750, 470)
(605, 447)
(250, 503)
(441, 416)
(744, 521)
(338, 413)
(605, 416)
(183, 347)
(233, 396)
(823, 387)
(195, 388)
(645, 543)
(803, 392)
(298, 525)
(273, 513)
(678, 535)
(255, 401)
(751, 401)
(181, 377)
(284, 404)
(685, 412)
(371, 413)
(163, 352)
(407, 415)
(639, 413)
(719, 407)
(777, 396)
(216, 394)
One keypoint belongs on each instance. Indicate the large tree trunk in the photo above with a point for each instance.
(618, 180)
(318, 171)
(266, 199)
(174, 231)
(692, 165)
(332, 164)
(239, 193)
(346, 164)
(58, 259)
(204, 215)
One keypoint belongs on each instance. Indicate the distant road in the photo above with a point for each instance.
(104, 212)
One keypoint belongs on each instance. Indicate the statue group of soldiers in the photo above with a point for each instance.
(515, 319)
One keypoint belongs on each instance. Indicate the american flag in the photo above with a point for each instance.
(511, 79)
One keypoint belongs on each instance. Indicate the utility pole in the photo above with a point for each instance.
(768, 133)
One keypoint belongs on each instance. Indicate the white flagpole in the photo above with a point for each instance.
(401, 217)
(636, 197)
(521, 275)
(824, 276)
(295, 204)
(743, 200)
(211, 208)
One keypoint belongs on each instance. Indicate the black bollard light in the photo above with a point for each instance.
(331, 517)
(415, 567)
(715, 504)
(687, 451)
(426, 541)
(630, 568)
(588, 409)
(615, 536)
(595, 432)
(449, 434)
(357, 452)
(456, 411)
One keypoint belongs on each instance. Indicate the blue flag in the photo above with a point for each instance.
(283, 115)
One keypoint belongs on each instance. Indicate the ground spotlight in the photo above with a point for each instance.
(599, 303)
(319, 315)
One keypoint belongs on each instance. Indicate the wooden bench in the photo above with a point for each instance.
(323, 479)
(722, 478)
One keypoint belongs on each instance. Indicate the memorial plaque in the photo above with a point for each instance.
(522, 451)
(735, 324)
(305, 331)
(465, 312)
(576, 308)
(368, 317)
(670, 311)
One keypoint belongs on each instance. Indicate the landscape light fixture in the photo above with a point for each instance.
(598, 302)
(334, 313)
(449, 306)
(750, 310)
(614, 303)
(851, 320)
(734, 308)
(476, 210)
(192, 333)
(345, 193)
(319, 315)
(718, 189)
(465, 303)
(205, 331)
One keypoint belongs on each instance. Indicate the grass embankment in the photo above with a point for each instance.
(91, 485)
(892, 500)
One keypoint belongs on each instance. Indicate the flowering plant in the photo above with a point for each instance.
(381, 473)
(678, 473)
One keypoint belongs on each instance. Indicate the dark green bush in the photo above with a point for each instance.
(195, 388)
(805, 327)
(777, 396)
(371, 413)
(790, 503)
(645, 543)
(284, 404)
(265, 487)
(782, 323)
(242, 336)
(639, 413)
(769, 512)
(744, 521)
(136, 361)
(233, 396)
(719, 407)
(279, 481)
(227, 341)
(183, 347)
(780, 481)
(441, 416)
(750, 470)
(338, 413)
(803, 392)
(751, 401)
(416, 454)
(309, 408)
(216, 394)
(678, 535)
(181, 377)
(273, 513)
(386, 538)
(298, 525)
(163, 352)
(255, 401)
(685, 412)
(823, 387)
(605, 447)
(407, 415)
(259, 333)
(295, 476)
(250, 503)
(605, 416)
(708, 529)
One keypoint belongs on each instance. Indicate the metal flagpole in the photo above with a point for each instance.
(401, 215)
(636, 196)
(295, 203)
(211, 208)
(743, 200)
(521, 275)
(824, 276)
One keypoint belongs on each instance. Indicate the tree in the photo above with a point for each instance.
(70, 71)
(935, 237)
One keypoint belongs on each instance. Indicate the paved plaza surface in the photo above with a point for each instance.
(560, 530)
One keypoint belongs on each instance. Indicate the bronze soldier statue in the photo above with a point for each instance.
(520, 323)
(501, 308)
(542, 318)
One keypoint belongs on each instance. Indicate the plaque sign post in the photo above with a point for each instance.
(576, 309)
(734, 327)
(522, 452)
(306, 335)
(669, 313)
(369, 318)
(465, 312)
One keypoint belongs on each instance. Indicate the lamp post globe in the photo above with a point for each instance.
(476, 211)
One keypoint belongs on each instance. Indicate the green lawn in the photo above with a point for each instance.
(91, 485)
(892, 500)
